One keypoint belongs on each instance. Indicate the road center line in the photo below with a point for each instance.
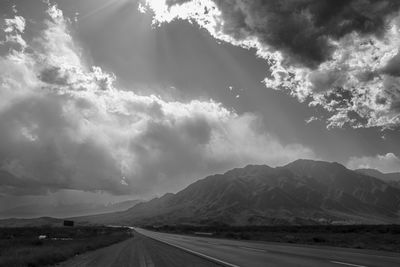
(348, 264)
(254, 249)
(142, 260)
(149, 262)
(205, 256)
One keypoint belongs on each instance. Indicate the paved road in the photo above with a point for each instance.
(153, 249)
(254, 254)
(139, 251)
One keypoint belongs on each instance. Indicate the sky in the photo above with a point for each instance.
(106, 100)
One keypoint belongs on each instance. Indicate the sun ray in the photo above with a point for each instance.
(108, 4)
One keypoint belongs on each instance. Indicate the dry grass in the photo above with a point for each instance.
(377, 237)
(21, 246)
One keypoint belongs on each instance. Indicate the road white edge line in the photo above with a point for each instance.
(205, 256)
(196, 253)
(348, 264)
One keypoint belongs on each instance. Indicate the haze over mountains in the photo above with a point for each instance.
(65, 210)
(392, 178)
(302, 192)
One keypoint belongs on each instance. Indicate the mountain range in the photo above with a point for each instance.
(65, 210)
(301, 192)
(58, 210)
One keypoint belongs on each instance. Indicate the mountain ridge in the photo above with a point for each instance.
(391, 176)
(64, 210)
(301, 192)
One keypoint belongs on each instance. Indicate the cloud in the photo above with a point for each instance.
(12, 30)
(64, 125)
(385, 163)
(340, 55)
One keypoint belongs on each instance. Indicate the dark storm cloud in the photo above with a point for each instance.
(38, 147)
(313, 47)
(301, 28)
(10, 184)
(164, 146)
(175, 2)
(53, 76)
(393, 66)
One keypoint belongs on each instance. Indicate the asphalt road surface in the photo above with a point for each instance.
(153, 249)
(139, 251)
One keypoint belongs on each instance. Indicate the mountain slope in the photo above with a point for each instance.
(302, 192)
(392, 178)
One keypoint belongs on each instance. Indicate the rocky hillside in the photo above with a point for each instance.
(302, 192)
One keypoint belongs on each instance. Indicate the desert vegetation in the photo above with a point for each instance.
(44, 246)
(377, 237)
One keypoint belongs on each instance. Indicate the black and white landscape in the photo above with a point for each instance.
(303, 192)
(194, 132)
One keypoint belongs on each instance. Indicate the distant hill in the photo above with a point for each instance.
(392, 178)
(302, 192)
(37, 222)
(65, 210)
(31, 222)
(52, 210)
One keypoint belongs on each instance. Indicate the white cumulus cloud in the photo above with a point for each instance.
(385, 163)
(64, 125)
